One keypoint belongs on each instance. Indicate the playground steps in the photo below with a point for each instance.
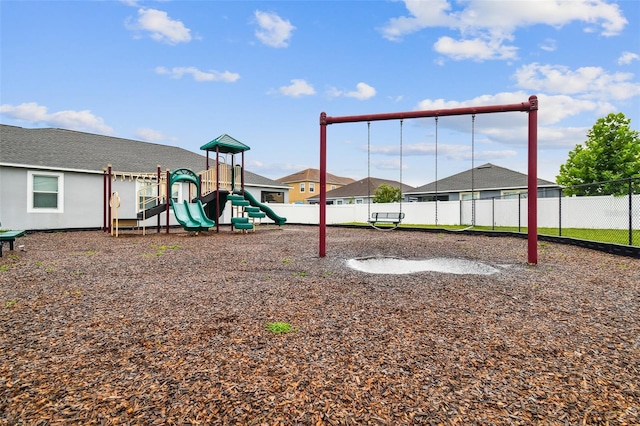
(247, 213)
(254, 212)
(242, 223)
(240, 205)
(238, 200)
(264, 208)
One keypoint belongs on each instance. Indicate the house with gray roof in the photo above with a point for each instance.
(55, 178)
(484, 182)
(359, 192)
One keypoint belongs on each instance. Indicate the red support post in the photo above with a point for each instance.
(105, 200)
(109, 179)
(167, 195)
(323, 185)
(158, 174)
(242, 172)
(217, 189)
(532, 173)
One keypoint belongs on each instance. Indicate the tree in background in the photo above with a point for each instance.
(611, 153)
(387, 194)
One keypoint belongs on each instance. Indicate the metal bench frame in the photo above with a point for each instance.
(10, 237)
(393, 218)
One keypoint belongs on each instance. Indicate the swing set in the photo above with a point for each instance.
(383, 221)
(530, 107)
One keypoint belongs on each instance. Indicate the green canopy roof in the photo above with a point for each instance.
(226, 145)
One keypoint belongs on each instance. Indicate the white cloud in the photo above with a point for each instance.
(549, 45)
(389, 164)
(561, 137)
(423, 15)
(488, 25)
(363, 92)
(627, 57)
(199, 76)
(510, 128)
(151, 135)
(553, 109)
(272, 29)
(497, 99)
(161, 27)
(588, 82)
(31, 112)
(475, 49)
(297, 88)
(449, 151)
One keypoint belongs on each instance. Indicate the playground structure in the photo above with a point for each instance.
(530, 107)
(207, 194)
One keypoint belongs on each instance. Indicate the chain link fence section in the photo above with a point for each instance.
(603, 211)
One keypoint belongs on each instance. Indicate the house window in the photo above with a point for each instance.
(46, 190)
(433, 198)
(359, 201)
(302, 187)
(272, 197)
(312, 187)
(333, 187)
(338, 202)
(467, 196)
(514, 193)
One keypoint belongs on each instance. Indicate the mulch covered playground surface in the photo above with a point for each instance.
(174, 329)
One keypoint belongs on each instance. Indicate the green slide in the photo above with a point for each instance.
(196, 211)
(188, 222)
(279, 220)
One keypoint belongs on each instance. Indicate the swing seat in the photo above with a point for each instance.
(386, 217)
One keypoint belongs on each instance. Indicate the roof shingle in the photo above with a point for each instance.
(72, 150)
(364, 188)
(487, 176)
(313, 175)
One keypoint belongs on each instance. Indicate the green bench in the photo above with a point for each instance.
(9, 236)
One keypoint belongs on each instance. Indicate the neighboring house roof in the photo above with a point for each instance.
(225, 144)
(61, 149)
(362, 188)
(485, 177)
(313, 175)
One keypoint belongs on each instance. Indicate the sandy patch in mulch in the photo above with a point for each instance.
(170, 329)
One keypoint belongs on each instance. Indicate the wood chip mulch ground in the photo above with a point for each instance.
(171, 329)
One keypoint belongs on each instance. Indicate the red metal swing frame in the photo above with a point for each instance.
(531, 107)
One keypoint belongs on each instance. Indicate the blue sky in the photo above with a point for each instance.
(184, 72)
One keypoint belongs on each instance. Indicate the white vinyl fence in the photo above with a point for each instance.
(597, 212)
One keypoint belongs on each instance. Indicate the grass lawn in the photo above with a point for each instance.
(616, 236)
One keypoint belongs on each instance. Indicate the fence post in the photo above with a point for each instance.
(519, 212)
(493, 213)
(473, 209)
(560, 212)
(630, 212)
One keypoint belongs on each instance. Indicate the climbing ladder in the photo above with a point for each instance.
(244, 215)
(238, 220)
